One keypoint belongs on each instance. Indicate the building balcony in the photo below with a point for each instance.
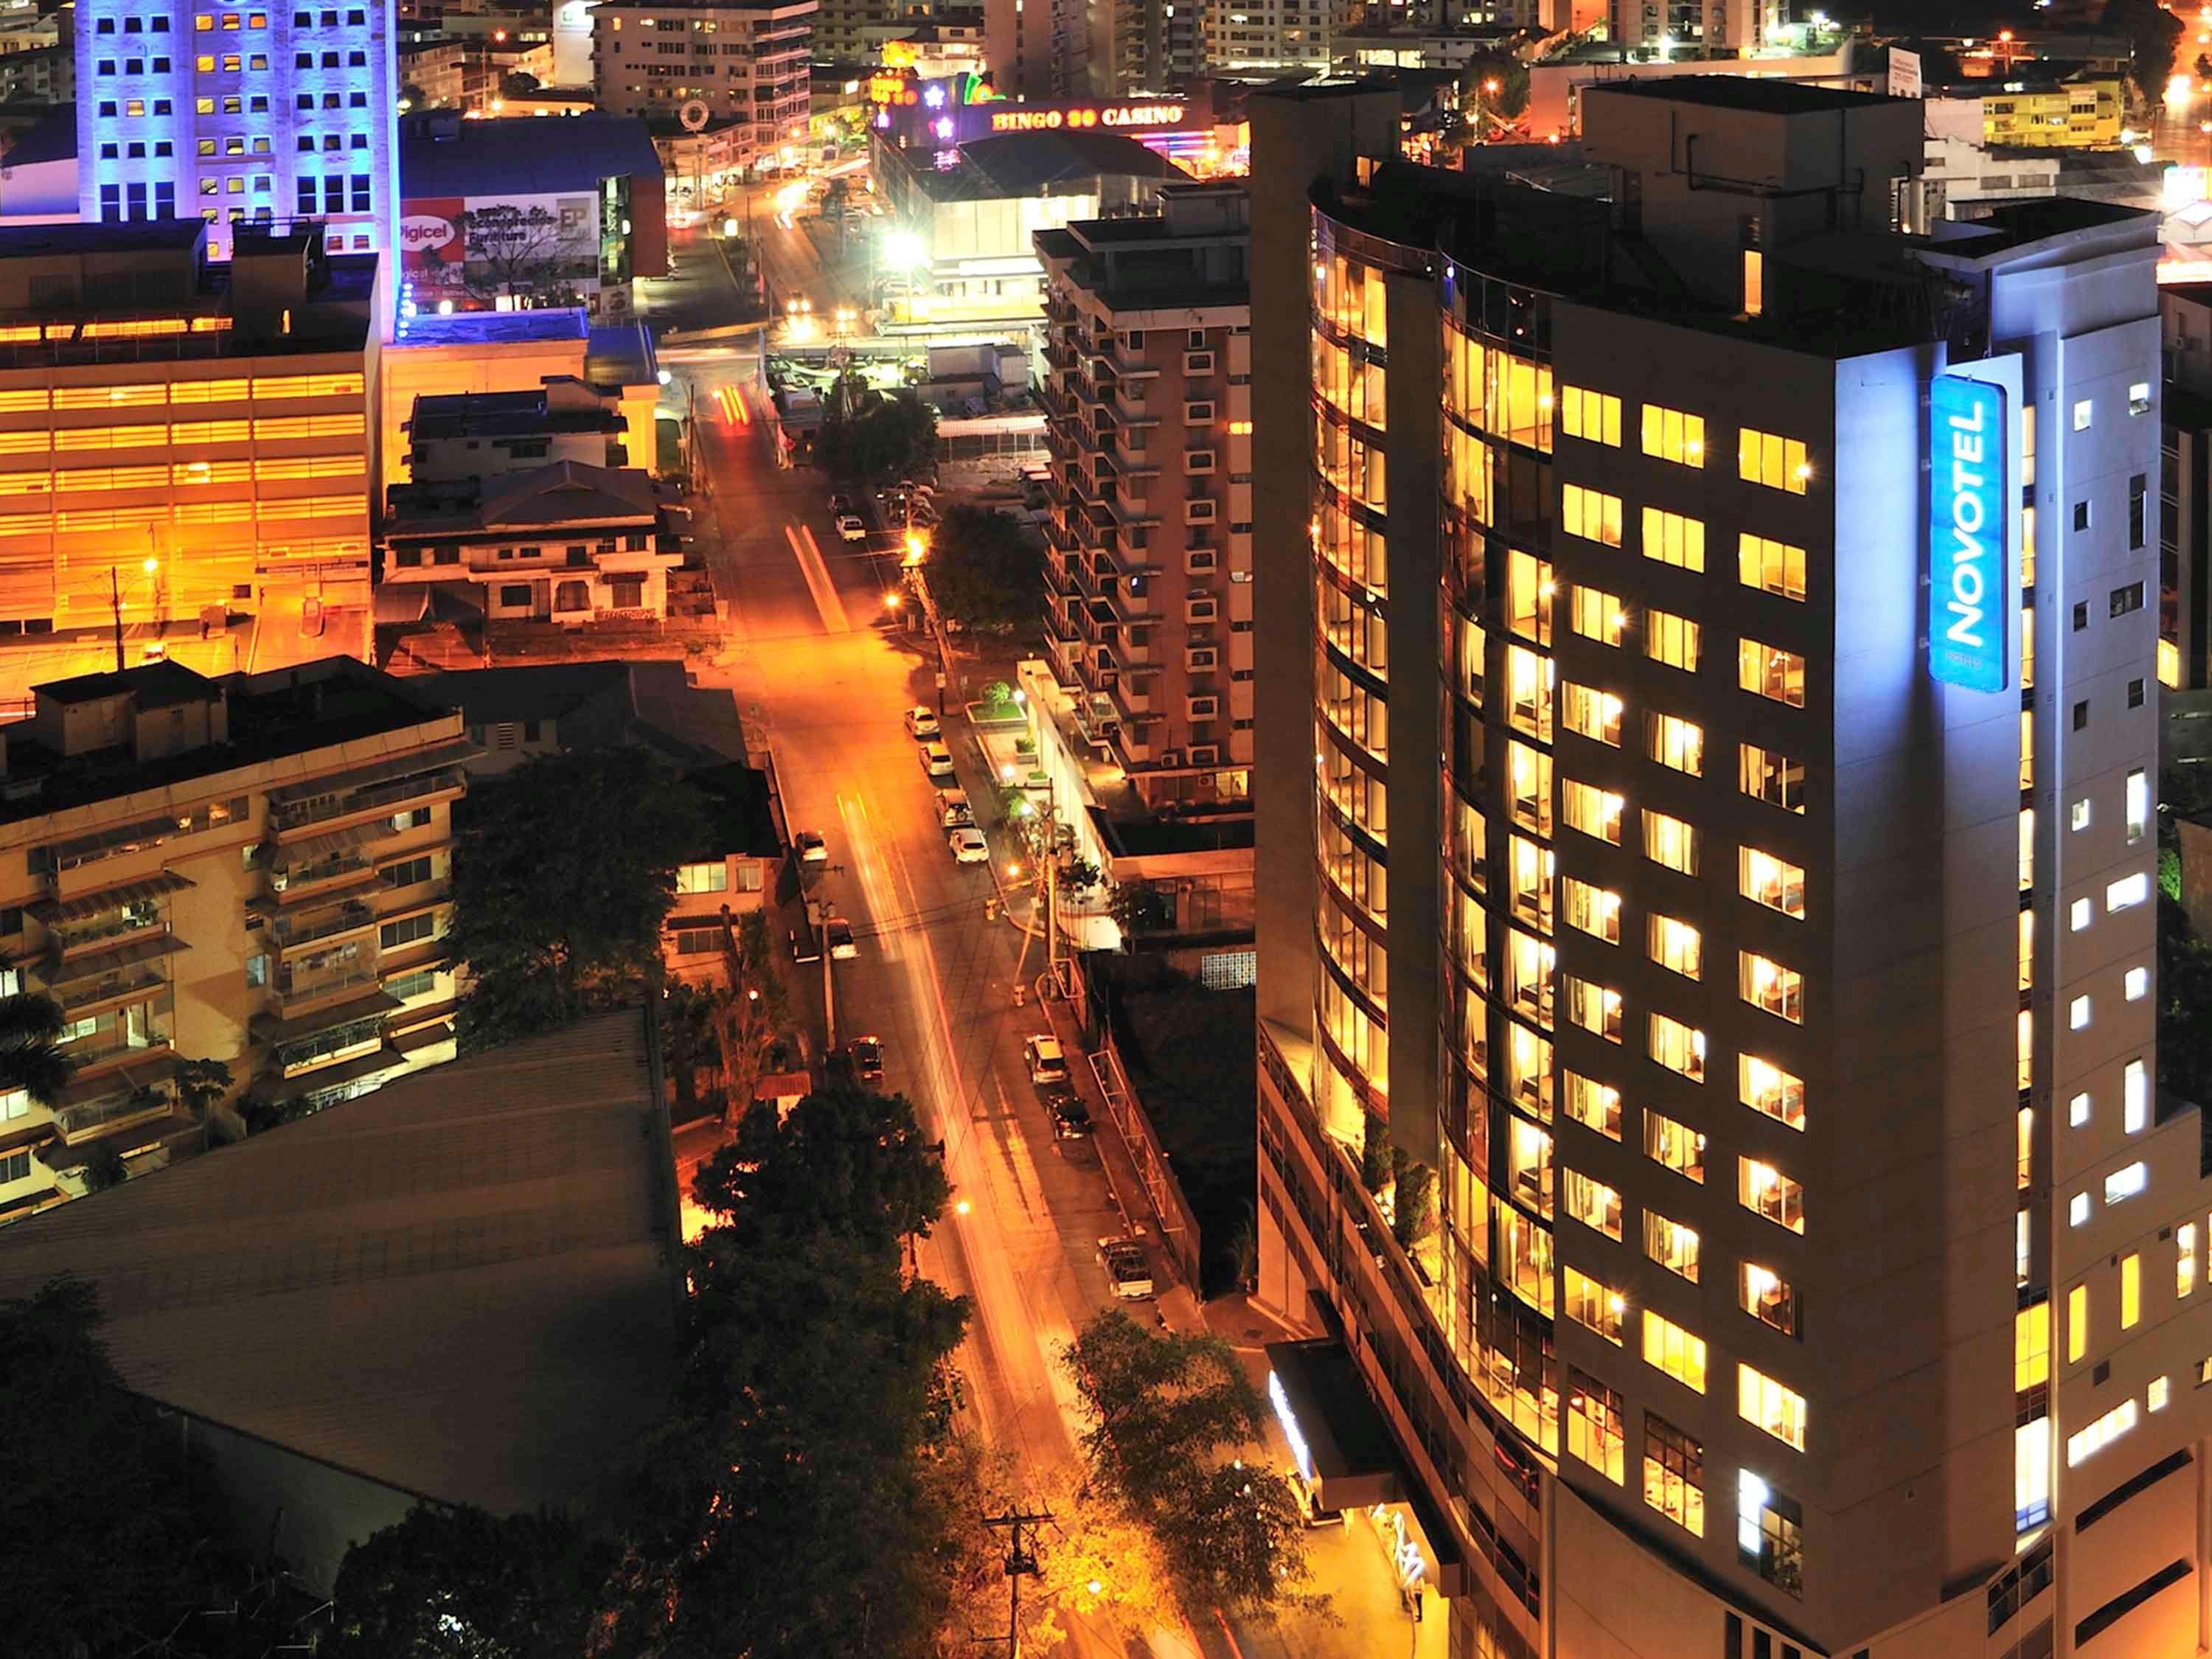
(117, 952)
(298, 990)
(408, 781)
(296, 933)
(1131, 701)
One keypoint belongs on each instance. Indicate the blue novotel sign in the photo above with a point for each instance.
(1970, 598)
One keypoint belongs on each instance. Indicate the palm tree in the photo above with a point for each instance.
(30, 1052)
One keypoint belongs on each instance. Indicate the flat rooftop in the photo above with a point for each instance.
(490, 328)
(1765, 96)
(506, 414)
(285, 711)
(462, 1284)
(126, 236)
(520, 155)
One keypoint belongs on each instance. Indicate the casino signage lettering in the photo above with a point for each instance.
(1077, 117)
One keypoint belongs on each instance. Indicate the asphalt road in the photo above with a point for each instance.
(822, 675)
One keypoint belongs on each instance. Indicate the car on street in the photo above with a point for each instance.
(810, 847)
(1307, 1494)
(1070, 1118)
(851, 526)
(968, 847)
(922, 725)
(840, 505)
(868, 1057)
(957, 813)
(936, 760)
(839, 933)
(1048, 1062)
(1132, 1277)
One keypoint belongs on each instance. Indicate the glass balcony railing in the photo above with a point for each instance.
(293, 815)
(289, 932)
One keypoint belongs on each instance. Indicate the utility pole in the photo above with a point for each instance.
(828, 985)
(115, 605)
(1020, 1564)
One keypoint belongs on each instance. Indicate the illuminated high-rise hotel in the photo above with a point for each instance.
(1754, 601)
(281, 114)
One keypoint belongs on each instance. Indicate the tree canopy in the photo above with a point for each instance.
(871, 435)
(563, 872)
(1169, 1413)
(2155, 34)
(984, 572)
(457, 1584)
(30, 1056)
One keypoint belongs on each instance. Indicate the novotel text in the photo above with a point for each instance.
(1970, 604)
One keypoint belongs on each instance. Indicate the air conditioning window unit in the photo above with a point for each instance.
(1200, 657)
(1205, 754)
(1198, 363)
(1170, 758)
(1198, 460)
(1198, 512)
(1198, 559)
(1205, 709)
(1198, 611)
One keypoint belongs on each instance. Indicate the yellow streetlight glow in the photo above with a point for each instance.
(962, 1207)
(892, 600)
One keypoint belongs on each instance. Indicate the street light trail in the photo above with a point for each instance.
(817, 579)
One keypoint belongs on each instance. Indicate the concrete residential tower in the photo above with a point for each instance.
(1751, 602)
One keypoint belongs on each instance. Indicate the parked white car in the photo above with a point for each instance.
(968, 847)
(920, 724)
(937, 761)
(1048, 1062)
(1126, 1267)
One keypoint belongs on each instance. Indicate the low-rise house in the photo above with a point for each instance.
(567, 543)
(734, 875)
(485, 434)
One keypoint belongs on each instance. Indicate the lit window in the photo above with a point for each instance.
(2128, 891)
(1770, 1534)
(1592, 714)
(2137, 983)
(1593, 1203)
(1674, 436)
(1597, 615)
(1668, 841)
(1766, 984)
(1754, 282)
(1677, 1047)
(1592, 416)
(1674, 742)
(1673, 1145)
(1766, 1403)
(1674, 539)
(2078, 815)
(1767, 1089)
(2026, 849)
(2077, 1323)
(1769, 672)
(2078, 1210)
(1674, 945)
(1593, 1007)
(1767, 880)
(1594, 1105)
(2082, 410)
(1769, 775)
(1595, 1432)
(1589, 909)
(2184, 1258)
(2135, 1097)
(2130, 1291)
(1772, 567)
(1673, 640)
(2101, 1433)
(2078, 915)
(712, 878)
(2077, 1111)
(1674, 1474)
(2139, 398)
(1600, 1307)
(1778, 463)
(2136, 804)
(2123, 1183)
(1671, 1244)
(2077, 1013)
(1674, 1351)
(1592, 811)
(1767, 1297)
(1765, 1190)
(1590, 515)
(2031, 1347)
(2161, 1390)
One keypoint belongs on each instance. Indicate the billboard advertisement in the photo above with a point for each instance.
(434, 247)
(1971, 600)
(479, 251)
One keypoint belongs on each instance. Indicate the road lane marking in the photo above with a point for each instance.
(817, 579)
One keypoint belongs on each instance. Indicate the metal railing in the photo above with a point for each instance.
(295, 814)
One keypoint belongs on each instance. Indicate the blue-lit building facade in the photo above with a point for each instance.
(1751, 601)
(282, 114)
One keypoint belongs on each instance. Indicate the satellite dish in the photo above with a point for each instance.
(693, 115)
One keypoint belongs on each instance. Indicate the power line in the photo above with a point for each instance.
(1020, 1564)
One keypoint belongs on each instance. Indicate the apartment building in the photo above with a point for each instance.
(1818, 1269)
(747, 64)
(182, 444)
(240, 117)
(1724, 26)
(1148, 602)
(1270, 35)
(251, 869)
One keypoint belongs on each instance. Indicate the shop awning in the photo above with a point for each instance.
(1341, 1439)
(106, 898)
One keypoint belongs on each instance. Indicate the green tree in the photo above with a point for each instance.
(984, 570)
(870, 435)
(1374, 1152)
(2154, 33)
(1167, 1414)
(1412, 1204)
(201, 1083)
(845, 1162)
(112, 1540)
(563, 872)
(1495, 84)
(517, 83)
(734, 1029)
(2184, 1006)
(31, 1059)
(457, 1584)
